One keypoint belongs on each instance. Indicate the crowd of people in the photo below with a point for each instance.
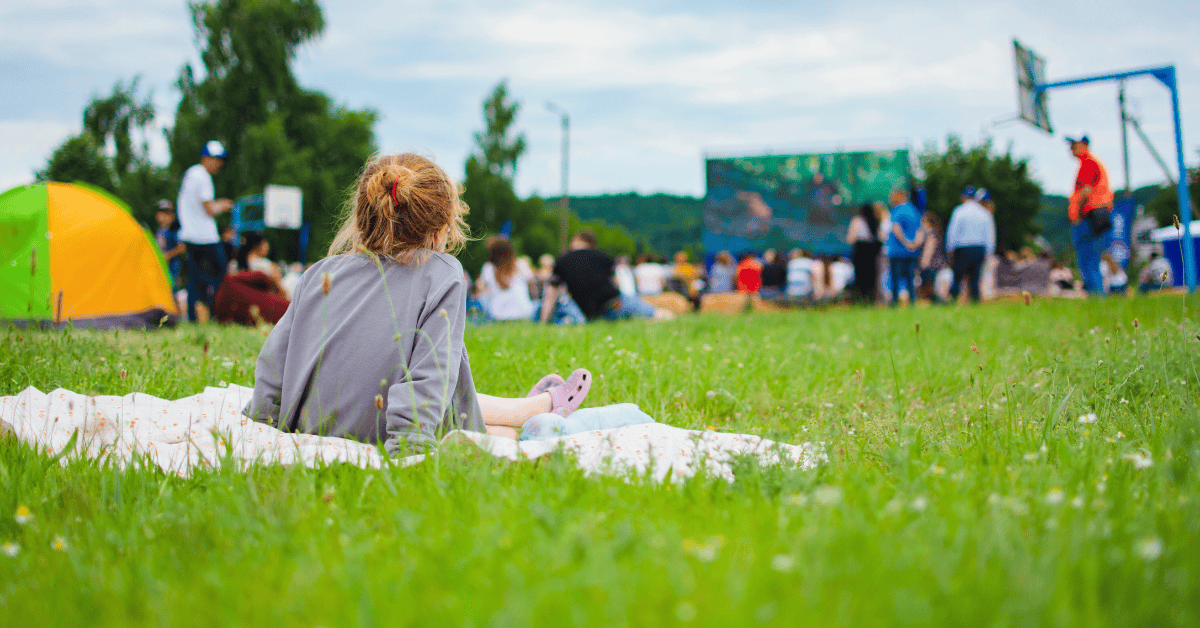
(897, 253)
(230, 276)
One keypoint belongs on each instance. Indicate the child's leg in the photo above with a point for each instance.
(502, 431)
(501, 411)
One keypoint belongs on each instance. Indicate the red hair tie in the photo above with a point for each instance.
(394, 199)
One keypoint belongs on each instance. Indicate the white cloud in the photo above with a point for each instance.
(27, 144)
(650, 89)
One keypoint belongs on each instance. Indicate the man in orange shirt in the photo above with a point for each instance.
(1091, 193)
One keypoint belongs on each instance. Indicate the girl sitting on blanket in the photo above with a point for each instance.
(371, 347)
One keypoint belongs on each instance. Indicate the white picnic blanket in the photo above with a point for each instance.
(205, 429)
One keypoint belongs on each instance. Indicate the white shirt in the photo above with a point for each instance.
(625, 281)
(195, 225)
(1114, 280)
(799, 277)
(971, 224)
(650, 278)
(511, 303)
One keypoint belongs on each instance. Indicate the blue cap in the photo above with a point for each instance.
(969, 191)
(214, 149)
(982, 194)
(1078, 137)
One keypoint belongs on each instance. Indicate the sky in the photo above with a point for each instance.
(651, 87)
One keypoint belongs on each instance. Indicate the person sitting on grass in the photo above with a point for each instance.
(372, 345)
(1156, 275)
(504, 283)
(587, 275)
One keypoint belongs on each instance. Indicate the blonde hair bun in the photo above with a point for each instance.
(403, 205)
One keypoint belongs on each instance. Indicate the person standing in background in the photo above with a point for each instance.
(863, 236)
(902, 252)
(167, 238)
(932, 256)
(1092, 193)
(970, 238)
(198, 207)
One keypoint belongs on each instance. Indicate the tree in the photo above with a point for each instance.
(488, 187)
(1017, 195)
(276, 131)
(112, 121)
(1165, 205)
(79, 158)
(488, 192)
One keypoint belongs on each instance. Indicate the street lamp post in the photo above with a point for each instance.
(564, 209)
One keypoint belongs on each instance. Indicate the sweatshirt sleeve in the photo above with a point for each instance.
(420, 399)
(268, 370)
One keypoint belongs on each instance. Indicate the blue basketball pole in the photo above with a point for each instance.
(1185, 205)
(1165, 75)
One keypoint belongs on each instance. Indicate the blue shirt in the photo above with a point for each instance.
(908, 217)
(170, 240)
(971, 224)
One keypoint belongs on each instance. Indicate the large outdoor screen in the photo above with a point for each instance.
(785, 201)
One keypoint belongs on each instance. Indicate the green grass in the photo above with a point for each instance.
(961, 488)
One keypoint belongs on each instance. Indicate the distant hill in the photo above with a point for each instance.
(660, 223)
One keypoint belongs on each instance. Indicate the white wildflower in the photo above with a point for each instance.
(1088, 418)
(918, 504)
(1140, 460)
(782, 563)
(11, 549)
(712, 394)
(1055, 497)
(827, 495)
(22, 516)
(1149, 548)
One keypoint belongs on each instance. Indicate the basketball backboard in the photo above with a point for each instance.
(1032, 103)
(282, 206)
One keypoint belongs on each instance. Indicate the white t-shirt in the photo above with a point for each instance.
(650, 278)
(799, 277)
(195, 225)
(1113, 280)
(625, 281)
(511, 303)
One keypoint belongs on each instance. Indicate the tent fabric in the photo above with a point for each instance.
(23, 244)
(82, 259)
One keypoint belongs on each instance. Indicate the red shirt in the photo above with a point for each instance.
(749, 275)
(1091, 173)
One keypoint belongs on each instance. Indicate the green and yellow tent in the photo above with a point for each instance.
(73, 253)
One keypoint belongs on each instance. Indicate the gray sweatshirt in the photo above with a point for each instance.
(378, 358)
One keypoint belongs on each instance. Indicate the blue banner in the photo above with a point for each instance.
(1118, 239)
